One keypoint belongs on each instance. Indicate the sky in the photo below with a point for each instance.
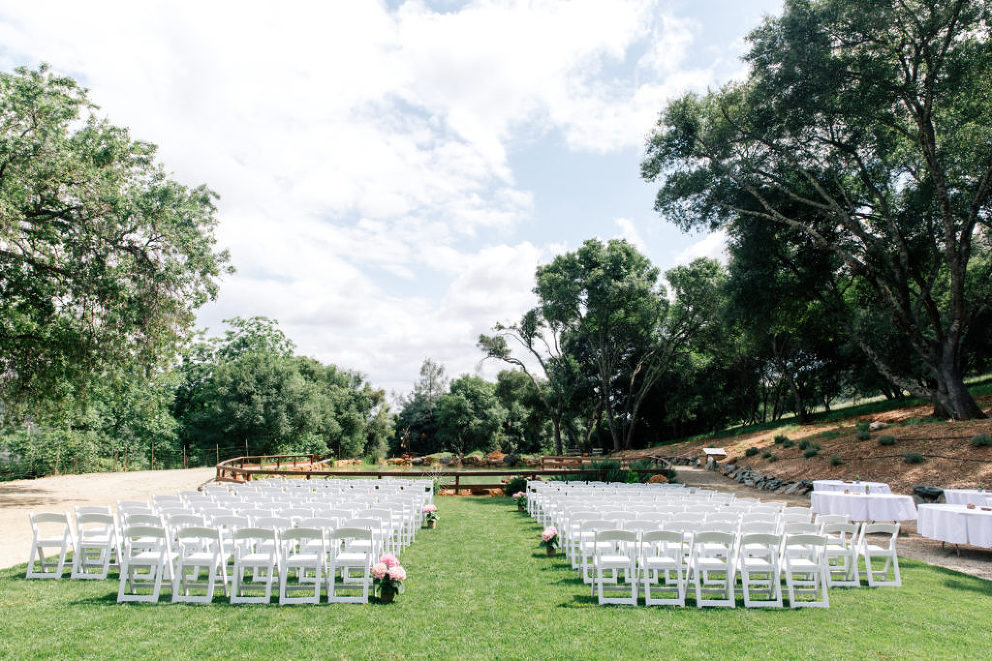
(392, 173)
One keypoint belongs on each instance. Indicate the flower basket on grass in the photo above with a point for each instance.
(549, 540)
(430, 516)
(521, 499)
(387, 578)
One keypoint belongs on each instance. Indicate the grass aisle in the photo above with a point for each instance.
(481, 588)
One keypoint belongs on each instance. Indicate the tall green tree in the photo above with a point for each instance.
(470, 416)
(869, 122)
(103, 257)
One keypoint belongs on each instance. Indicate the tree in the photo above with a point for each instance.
(542, 340)
(470, 416)
(617, 320)
(416, 423)
(103, 258)
(864, 125)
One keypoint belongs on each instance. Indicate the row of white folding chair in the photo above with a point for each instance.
(261, 558)
(712, 566)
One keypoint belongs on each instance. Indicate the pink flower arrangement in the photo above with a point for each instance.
(388, 574)
(520, 494)
(430, 513)
(549, 537)
(430, 508)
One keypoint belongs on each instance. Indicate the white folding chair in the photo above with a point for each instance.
(805, 569)
(615, 551)
(198, 549)
(49, 530)
(96, 545)
(663, 568)
(842, 554)
(256, 564)
(759, 564)
(303, 551)
(711, 568)
(146, 560)
(881, 545)
(350, 550)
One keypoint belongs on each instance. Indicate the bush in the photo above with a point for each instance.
(788, 444)
(515, 485)
(811, 452)
(766, 454)
(750, 452)
(981, 441)
(887, 439)
(772, 459)
(804, 444)
(913, 458)
(835, 460)
(863, 432)
(780, 439)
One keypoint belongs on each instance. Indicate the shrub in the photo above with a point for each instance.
(981, 441)
(887, 439)
(780, 439)
(750, 452)
(787, 443)
(515, 485)
(811, 452)
(835, 460)
(804, 444)
(772, 459)
(913, 458)
(863, 432)
(766, 454)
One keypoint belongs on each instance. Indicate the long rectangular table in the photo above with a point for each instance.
(965, 496)
(956, 524)
(864, 507)
(854, 486)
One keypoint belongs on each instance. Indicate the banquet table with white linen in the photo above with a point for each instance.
(864, 507)
(965, 496)
(956, 524)
(854, 486)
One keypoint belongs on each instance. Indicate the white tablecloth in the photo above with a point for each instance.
(956, 524)
(853, 487)
(965, 496)
(871, 507)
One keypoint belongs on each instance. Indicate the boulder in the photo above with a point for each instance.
(877, 425)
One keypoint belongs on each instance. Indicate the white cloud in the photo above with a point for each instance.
(713, 245)
(361, 151)
(629, 231)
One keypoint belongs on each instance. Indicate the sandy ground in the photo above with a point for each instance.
(62, 493)
(58, 494)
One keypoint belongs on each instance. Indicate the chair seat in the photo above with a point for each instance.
(351, 558)
(661, 562)
(613, 561)
(304, 559)
(757, 564)
(800, 564)
(256, 560)
(711, 564)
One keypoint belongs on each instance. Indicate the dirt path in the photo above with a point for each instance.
(972, 561)
(58, 494)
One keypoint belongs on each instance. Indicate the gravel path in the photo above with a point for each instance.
(966, 559)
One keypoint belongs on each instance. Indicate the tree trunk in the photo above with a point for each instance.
(951, 398)
(556, 424)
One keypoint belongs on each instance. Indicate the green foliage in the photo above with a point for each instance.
(515, 485)
(766, 454)
(103, 258)
(981, 441)
(862, 435)
(788, 444)
(835, 460)
(805, 443)
(772, 459)
(913, 458)
(780, 439)
(811, 452)
(886, 439)
(470, 416)
(751, 452)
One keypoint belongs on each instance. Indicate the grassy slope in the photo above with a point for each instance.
(481, 588)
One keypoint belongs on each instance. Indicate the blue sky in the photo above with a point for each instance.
(391, 173)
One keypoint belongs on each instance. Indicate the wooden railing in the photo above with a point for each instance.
(244, 469)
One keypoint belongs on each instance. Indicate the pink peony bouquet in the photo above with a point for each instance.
(549, 537)
(388, 573)
(430, 513)
(521, 498)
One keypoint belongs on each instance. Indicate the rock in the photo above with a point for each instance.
(877, 425)
(792, 490)
(511, 459)
(928, 494)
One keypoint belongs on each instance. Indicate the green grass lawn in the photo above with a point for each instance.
(480, 587)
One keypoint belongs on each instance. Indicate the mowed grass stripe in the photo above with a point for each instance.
(480, 587)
